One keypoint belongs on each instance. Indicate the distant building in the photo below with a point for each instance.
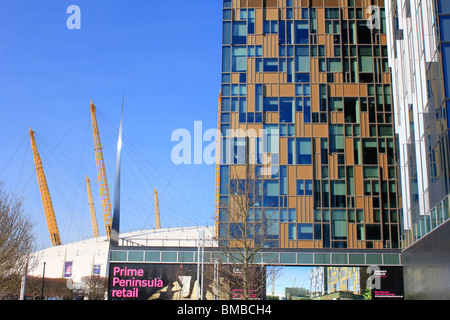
(90, 257)
(296, 293)
(318, 281)
(327, 280)
(344, 279)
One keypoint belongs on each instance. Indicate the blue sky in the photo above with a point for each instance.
(165, 57)
(288, 277)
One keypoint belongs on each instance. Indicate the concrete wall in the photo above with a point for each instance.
(426, 267)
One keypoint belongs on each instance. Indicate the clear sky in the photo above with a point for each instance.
(164, 56)
(288, 277)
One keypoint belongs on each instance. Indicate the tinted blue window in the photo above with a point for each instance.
(445, 28)
(224, 128)
(308, 188)
(444, 6)
(304, 231)
(282, 32)
(266, 27)
(226, 102)
(226, 90)
(289, 13)
(227, 3)
(226, 78)
(258, 65)
(306, 110)
(446, 66)
(270, 104)
(300, 187)
(239, 59)
(240, 32)
(289, 35)
(225, 117)
(326, 235)
(271, 65)
(317, 232)
(226, 37)
(227, 14)
(291, 151)
(305, 13)
(301, 32)
(302, 77)
(224, 179)
(251, 21)
(226, 59)
(258, 117)
(304, 151)
(286, 110)
(299, 104)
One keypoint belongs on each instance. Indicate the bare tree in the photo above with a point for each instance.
(96, 287)
(16, 241)
(238, 272)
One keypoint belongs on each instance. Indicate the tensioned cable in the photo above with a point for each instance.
(136, 150)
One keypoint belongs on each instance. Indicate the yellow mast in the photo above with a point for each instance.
(45, 194)
(157, 217)
(218, 167)
(92, 209)
(101, 173)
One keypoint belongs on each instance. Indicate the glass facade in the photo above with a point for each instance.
(419, 56)
(306, 112)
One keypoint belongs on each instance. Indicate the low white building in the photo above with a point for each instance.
(89, 257)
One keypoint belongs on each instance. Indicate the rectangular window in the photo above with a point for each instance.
(302, 63)
(305, 231)
(304, 151)
(338, 193)
(226, 37)
(370, 172)
(291, 151)
(300, 187)
(337, 140)
(292, 230)
(446, 66)
(271, 142)
(272, 193)
(339, 224)
(283, 180)
(334, 65)
(224, 179)
(365, 59)
(258, 97)
(226, 59)
(239, 59)
(270, 104)
(287, 112)
(307, 110)
(301, 32)
(308, 188)
(240, 32)
(271, 65)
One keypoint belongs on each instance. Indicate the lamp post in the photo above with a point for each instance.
(42, 285)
